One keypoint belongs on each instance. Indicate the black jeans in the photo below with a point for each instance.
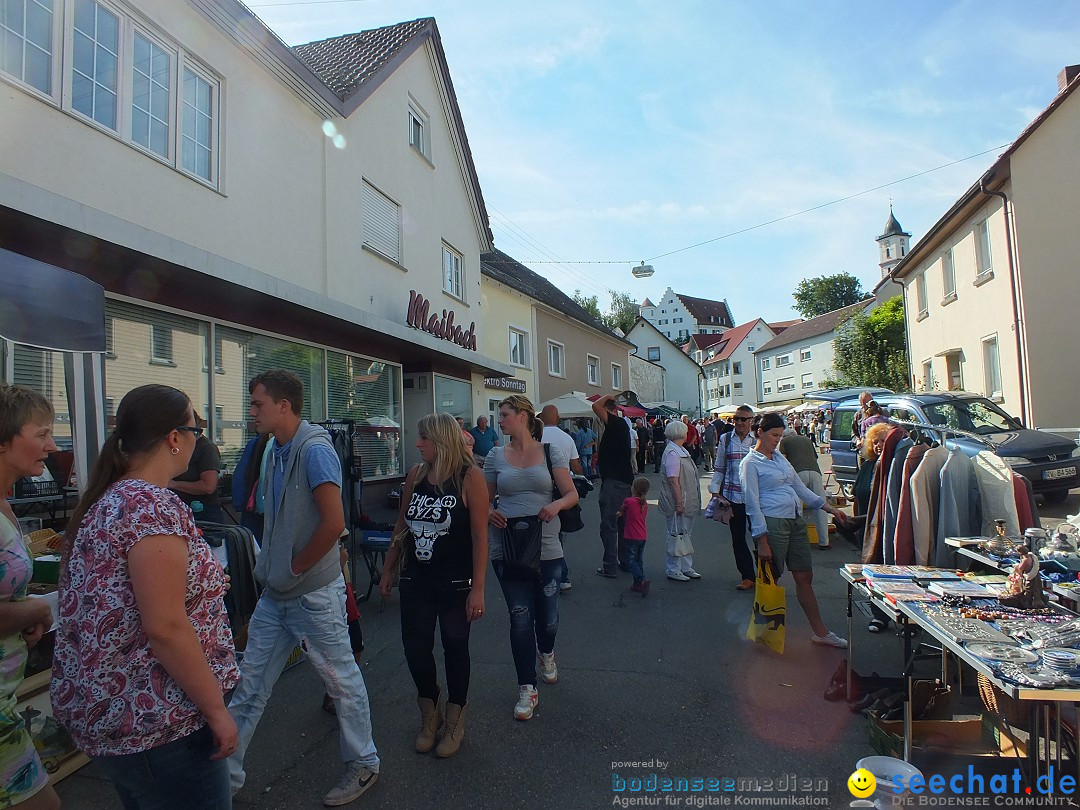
(744, 560)
(427, 597)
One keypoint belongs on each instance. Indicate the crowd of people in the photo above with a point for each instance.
(170, 721)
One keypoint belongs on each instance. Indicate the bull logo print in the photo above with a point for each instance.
(428, 519)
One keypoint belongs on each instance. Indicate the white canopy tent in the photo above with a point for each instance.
(571, 406)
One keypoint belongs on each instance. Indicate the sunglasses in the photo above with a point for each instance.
(743, 418)
(198, 431)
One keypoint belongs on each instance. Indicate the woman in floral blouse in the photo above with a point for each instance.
(143, 649)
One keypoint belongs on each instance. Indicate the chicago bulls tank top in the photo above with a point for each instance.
(439, 524)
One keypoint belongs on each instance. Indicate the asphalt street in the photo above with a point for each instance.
(664, 685)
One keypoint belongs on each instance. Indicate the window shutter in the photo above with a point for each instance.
(382, 223)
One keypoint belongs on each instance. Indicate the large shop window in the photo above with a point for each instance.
(149, 346)
(43, 371)
(454, 397)
(368, 392)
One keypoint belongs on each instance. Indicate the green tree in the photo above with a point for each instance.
(623, 312)
(590, 304)
(816, 296)
(871, 350)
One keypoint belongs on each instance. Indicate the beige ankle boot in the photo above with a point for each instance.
(430, 720)
(453, 731)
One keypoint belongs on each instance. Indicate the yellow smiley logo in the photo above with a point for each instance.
(861, 783)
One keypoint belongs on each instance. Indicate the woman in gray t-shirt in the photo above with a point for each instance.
(518, 475)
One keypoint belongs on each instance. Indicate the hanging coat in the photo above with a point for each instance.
(892, 503)
(996, 493)
(925, 488)
(905, 541)
(875, 513)
(959, 507)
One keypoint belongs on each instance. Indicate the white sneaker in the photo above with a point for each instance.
(357, 779)
(830, 639)
(527, 699)
(565, 586)
(692, 574)
(679, 577)
(548, 671)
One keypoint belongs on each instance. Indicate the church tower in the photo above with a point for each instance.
(893, 244)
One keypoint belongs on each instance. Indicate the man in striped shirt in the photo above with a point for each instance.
(726, 483)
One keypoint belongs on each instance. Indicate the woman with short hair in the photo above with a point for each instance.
(26, 420)
(774, 498)
(143, 650)
(679, 499)
(444, 513)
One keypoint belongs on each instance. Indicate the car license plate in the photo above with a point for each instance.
(1060, 472)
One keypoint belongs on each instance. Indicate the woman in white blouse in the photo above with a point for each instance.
(774, 497)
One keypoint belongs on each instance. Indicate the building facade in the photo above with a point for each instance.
(246, 206)
(730, 376)
(679, 316)
(682, 374)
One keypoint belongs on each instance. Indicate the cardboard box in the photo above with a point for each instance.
(963, 735)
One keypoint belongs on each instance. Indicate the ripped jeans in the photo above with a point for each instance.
(534, 615)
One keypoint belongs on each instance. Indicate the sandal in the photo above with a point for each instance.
(877, 625)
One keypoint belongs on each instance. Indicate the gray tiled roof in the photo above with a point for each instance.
(345, 63)
(821, 325)
(509, 271)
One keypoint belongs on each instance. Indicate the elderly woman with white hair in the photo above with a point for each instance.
(680, 501)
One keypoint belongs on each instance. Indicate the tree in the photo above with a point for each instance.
(623, 312)
(871, 350)
(589, 304)
(816, 296)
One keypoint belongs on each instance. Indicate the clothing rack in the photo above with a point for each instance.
(922, 427)
(346, 441)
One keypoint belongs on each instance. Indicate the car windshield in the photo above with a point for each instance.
(973, 415)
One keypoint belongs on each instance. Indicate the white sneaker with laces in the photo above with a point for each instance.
(830, 639)
(679, 577)
(565, 586)
(527, 700)
(357, 779)
(692, 574)
(548, 671)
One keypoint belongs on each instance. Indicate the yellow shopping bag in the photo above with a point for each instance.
(770, 609)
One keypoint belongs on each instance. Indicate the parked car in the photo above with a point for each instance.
(1049, 461)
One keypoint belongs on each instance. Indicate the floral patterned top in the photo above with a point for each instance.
(109, 690)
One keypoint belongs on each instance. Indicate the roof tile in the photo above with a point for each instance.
(821, 325)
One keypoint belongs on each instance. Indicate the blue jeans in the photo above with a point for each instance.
(635, 551)
(316, 621)
(174, 776)
(534, 615)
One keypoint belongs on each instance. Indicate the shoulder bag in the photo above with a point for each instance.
(521, 547)
(570, 518)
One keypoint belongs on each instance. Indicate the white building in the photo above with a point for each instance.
(682, 375)
(730, 371)
(801, 357)
(246, 206)
(679, 316)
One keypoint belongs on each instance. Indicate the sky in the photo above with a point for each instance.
(610, 132)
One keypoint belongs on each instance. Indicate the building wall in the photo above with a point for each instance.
(719, 391)
(806, 375)
(646, 380)
(681, 374)
(578, 342)
(960, 324)
(672, 319)
(505, 308)
(1046, 197)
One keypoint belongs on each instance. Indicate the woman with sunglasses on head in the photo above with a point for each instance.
(143, 649)
(26, 420)
(518, 475)
(774, 498)
(444, 515)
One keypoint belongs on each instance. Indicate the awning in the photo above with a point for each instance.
(570, 405)
(626, 410)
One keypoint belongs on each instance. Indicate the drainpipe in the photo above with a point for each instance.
(907, 334)
(1020, 366)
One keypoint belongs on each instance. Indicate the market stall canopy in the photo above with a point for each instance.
(48, 307)
(571, 406)
(627, 410)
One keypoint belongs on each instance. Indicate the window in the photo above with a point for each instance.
(948, 276)
(151, 80)
(161, 344)
(653, 353)
(382, 223)
(197, 146)
(367, 391)
(94, 63)
(452, 283)
(920, 294)
(556, 359)
(928, 375)
(519, 348)
(804, 355)
(991, 366)
(418, 130)
(738, 387)
(766, 388)
(785, 384)
(983, 260)
(616, 377)
(736, 367)
(783, 360)
(766, 363)
(26, 42)
(593, 367)
(954, 371)
(807, 381)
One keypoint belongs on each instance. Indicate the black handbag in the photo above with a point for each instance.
(569, 518)
(521, 547)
